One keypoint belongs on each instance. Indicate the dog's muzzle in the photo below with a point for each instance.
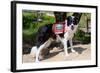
(72, 27)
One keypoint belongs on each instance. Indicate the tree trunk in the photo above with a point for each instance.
(60, 16)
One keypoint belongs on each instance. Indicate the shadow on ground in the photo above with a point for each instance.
(52, 54)
(79, 50)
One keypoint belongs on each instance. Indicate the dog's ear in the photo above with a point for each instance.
(69, 20)
(77, 17)
(76, 21)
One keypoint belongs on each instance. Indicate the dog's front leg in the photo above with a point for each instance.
(64, 42)
(65, 46)
(71, 44)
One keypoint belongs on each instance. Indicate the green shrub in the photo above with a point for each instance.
(31, 25)
(82, 37)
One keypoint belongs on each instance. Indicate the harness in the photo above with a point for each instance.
(59, 27)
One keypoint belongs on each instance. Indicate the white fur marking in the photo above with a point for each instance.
(33, 51)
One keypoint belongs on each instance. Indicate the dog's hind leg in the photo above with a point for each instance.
(45, 45)
(38, 52)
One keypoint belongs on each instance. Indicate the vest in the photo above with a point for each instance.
(58, 28)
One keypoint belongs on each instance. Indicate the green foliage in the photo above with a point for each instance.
(31, 24)
(29, 38)
(27, 21)
(82, 37)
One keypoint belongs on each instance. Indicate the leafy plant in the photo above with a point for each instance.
(82, 36)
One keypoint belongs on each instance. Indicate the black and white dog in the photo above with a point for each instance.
(46, 36)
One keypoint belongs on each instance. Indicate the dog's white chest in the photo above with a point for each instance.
(69, 35)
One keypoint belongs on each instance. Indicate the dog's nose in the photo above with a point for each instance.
(72, 27)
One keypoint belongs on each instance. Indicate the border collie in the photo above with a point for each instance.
(46, 36)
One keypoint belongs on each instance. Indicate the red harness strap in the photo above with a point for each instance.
(58, 28)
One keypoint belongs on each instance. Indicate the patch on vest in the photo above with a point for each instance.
(58, 28)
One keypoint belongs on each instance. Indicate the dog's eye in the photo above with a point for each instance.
(69, 22)
(74, 22)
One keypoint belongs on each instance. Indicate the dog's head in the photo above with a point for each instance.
(71, 22)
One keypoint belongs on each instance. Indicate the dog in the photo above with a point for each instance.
(45, 36)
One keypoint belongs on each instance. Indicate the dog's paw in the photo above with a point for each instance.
(72, 50)
(76, 53)
(37, 61)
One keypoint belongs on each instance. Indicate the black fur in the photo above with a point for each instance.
(43, 34)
